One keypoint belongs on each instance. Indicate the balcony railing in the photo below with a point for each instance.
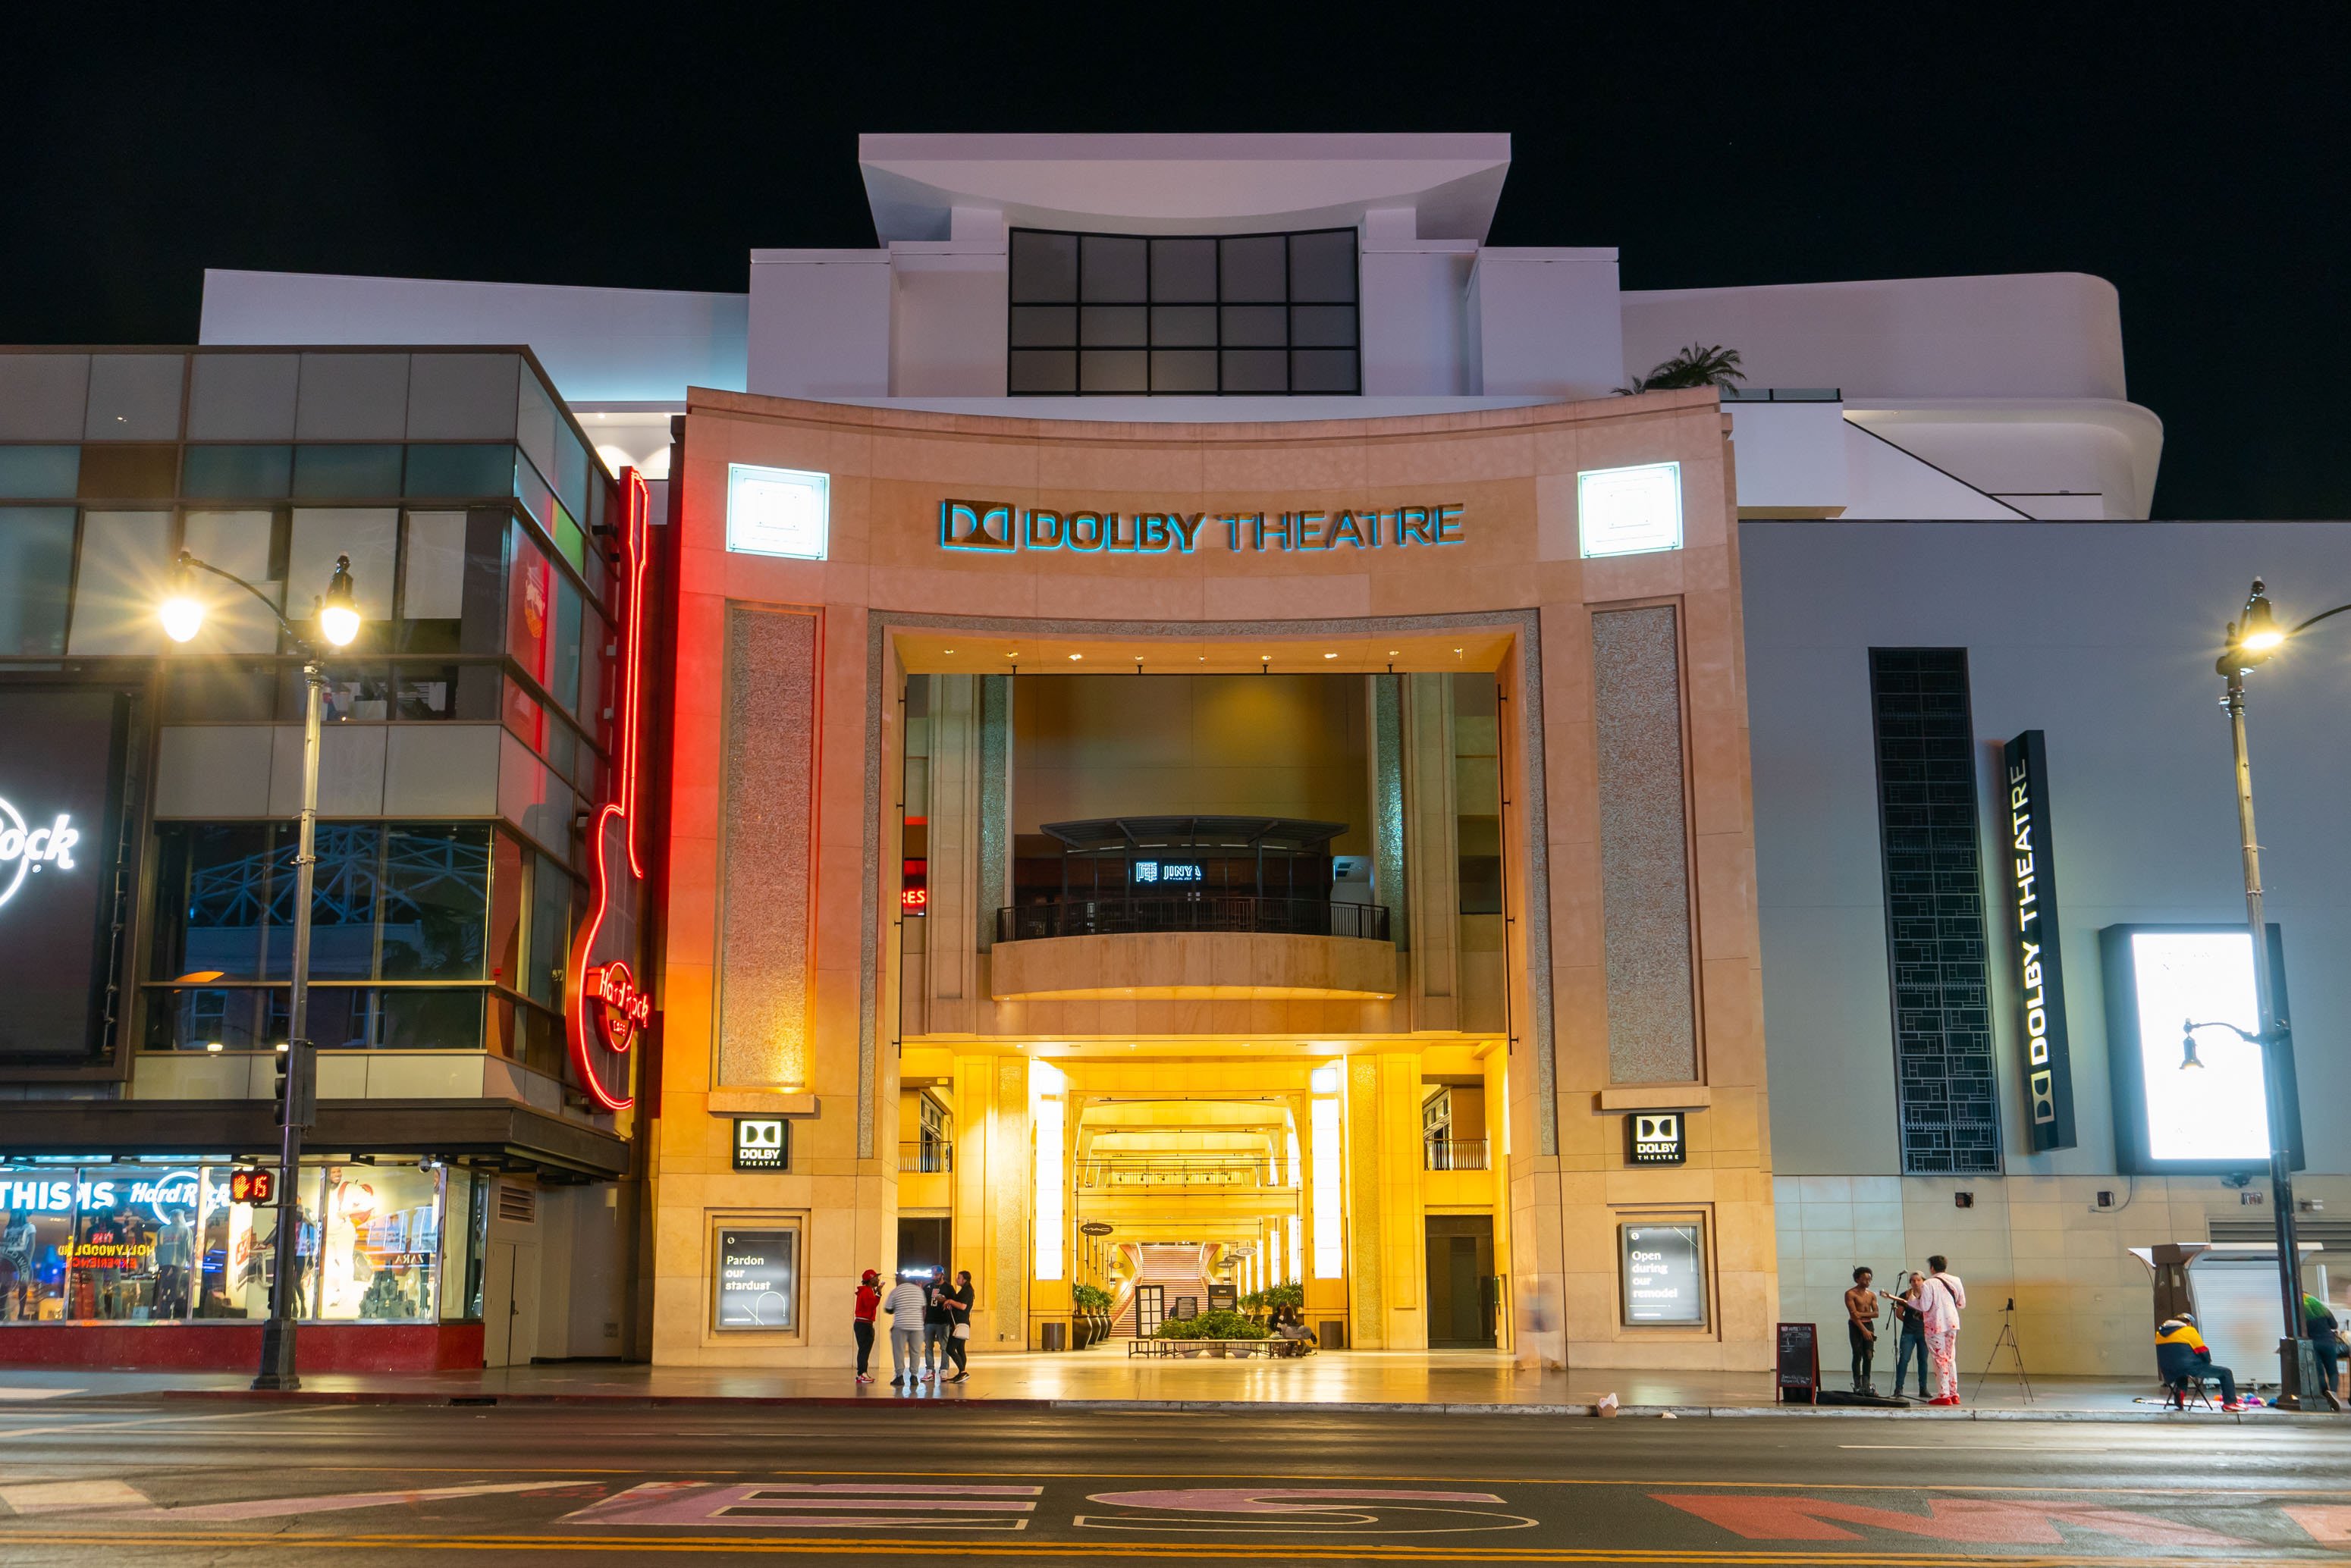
(1453, 1153)
(1191, 912)
(926, 1159)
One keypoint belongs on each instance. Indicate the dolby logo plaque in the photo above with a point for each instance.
(761, 1144)
(1656, 1138)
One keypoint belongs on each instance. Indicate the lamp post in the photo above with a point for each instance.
(2250, 642)
(338, 622)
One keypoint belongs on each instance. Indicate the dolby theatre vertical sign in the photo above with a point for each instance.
(2031, 882)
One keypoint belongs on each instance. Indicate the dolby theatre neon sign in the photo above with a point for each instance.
(606, 1006)
(26, 849)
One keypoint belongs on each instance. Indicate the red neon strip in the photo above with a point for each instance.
(634, 506)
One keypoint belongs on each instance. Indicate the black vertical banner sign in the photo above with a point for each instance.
(2032, 882)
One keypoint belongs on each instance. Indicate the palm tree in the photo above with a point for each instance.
(1693, 367)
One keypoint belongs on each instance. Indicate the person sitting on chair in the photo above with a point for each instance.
(1286, 1325)
(2181, 1356)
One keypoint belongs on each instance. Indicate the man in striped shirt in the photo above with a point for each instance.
(904, 1305)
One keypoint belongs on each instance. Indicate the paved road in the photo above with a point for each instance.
(92, 1482)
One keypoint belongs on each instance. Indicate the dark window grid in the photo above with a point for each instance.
(1078, 303)
(1938, 955)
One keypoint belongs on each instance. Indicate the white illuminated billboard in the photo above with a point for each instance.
(2218, 1111)
(777, 511)
(1629, 511)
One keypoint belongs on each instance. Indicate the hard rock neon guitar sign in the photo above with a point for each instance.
(607, 1010)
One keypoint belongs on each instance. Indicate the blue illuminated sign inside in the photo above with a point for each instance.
(1003, 528)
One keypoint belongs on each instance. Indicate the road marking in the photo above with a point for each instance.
(2001, 1521)
(20, 1393)
(69, 1496)
(144, 1421)
(1292, 1510)
(814, 1505)
(2327, 1526)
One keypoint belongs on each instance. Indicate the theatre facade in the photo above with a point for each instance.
(1188, 860)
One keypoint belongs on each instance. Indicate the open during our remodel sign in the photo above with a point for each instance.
(1663, 1273)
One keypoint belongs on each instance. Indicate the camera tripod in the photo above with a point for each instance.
(2008, 1339)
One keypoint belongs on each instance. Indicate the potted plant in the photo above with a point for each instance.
(1090, 1322)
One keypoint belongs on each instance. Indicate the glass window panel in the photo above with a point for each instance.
(352, 396)
(454, 395)
(134, 397)
(1255, 326)
(235, 1252)
(464, 1206)
(436, 893)
(1116, 269)
(593, 634)
(1323, 265)
(455, 471)
(134, 1244)
(569, 542)
(43, 395)
(235, 542)
(379, 1243)
(1322, 325)
(128, 473)
(126, 570)
(433, 572)
(1252, 268)
(1183, 327)
(1256, 371)
(1112, 371)
(1322, 371)
(564, 680)
(1035, 371)
(534, 422)
(1184, 371)
(550, 931)
(36, 1214)
(570, 469)
(1038, 327)
(242, 397)
(530, 591)
(35, 573)
(1044, 268)
(346, 473)
(361, 695)
(369, 536)
(1183, 269)
(425, 692)
(532, 491)
(1113, 326)
(345, 892)
(507, 889)
(39, 472)
(217, 887)
(237, 473)
(417, 1020)
(208, 691)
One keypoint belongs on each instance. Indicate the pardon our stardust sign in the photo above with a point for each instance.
(1002, 529)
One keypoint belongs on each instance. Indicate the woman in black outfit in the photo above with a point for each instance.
(957, 1302)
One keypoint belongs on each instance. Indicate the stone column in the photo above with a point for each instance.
(1431, 850)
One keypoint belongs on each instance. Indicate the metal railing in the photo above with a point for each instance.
(929, 1159)
(1202, 1168)
(1119, 913)
(1453, 1153)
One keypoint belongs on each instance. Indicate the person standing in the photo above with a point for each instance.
(1911, 1340)
(868, 1301)
(1940, 1300)
(904, 1305)
(936, 1322)
(2326, 1335)
(958, 1305)
(1861, 1329)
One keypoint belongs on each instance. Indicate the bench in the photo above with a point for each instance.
(1220, 1349)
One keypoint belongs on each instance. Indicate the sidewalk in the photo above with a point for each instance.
(1104, 1378)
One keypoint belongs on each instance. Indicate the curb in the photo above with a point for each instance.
(2267, 1418)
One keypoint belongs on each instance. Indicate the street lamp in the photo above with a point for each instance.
(338, 622)
(2250, 642)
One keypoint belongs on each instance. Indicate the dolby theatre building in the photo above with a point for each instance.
(1197, 747)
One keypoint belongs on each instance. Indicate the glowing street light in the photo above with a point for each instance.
(336, 623)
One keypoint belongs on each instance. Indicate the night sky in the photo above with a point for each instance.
(2195, 156)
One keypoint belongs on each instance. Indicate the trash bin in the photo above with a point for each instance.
(1331, 1335)
(1056, 1336)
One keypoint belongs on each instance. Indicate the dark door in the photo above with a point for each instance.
(1461, 1258)
(923, 1244)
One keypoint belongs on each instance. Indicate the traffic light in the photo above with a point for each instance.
(299, 1061)
(255, 1188)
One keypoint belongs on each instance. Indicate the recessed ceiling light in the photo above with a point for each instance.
(1330, 655)
(1392, 654)
(1075, 657)
(950, 650)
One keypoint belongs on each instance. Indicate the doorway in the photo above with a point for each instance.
(1462, 1297)
(1150, 1310)
(923, 1242)
(510, 1335)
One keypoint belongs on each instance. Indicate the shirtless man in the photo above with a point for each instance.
(1860, 1328)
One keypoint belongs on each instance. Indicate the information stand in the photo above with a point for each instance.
(1799, 1365)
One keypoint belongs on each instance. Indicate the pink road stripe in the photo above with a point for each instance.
(911, 1491)
(973, 1505)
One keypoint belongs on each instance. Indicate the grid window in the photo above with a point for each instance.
(1263, 315)
(1945, 1085)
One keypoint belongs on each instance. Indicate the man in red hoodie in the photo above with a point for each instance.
(868, 1301)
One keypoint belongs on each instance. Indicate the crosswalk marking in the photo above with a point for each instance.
(815, 1505)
